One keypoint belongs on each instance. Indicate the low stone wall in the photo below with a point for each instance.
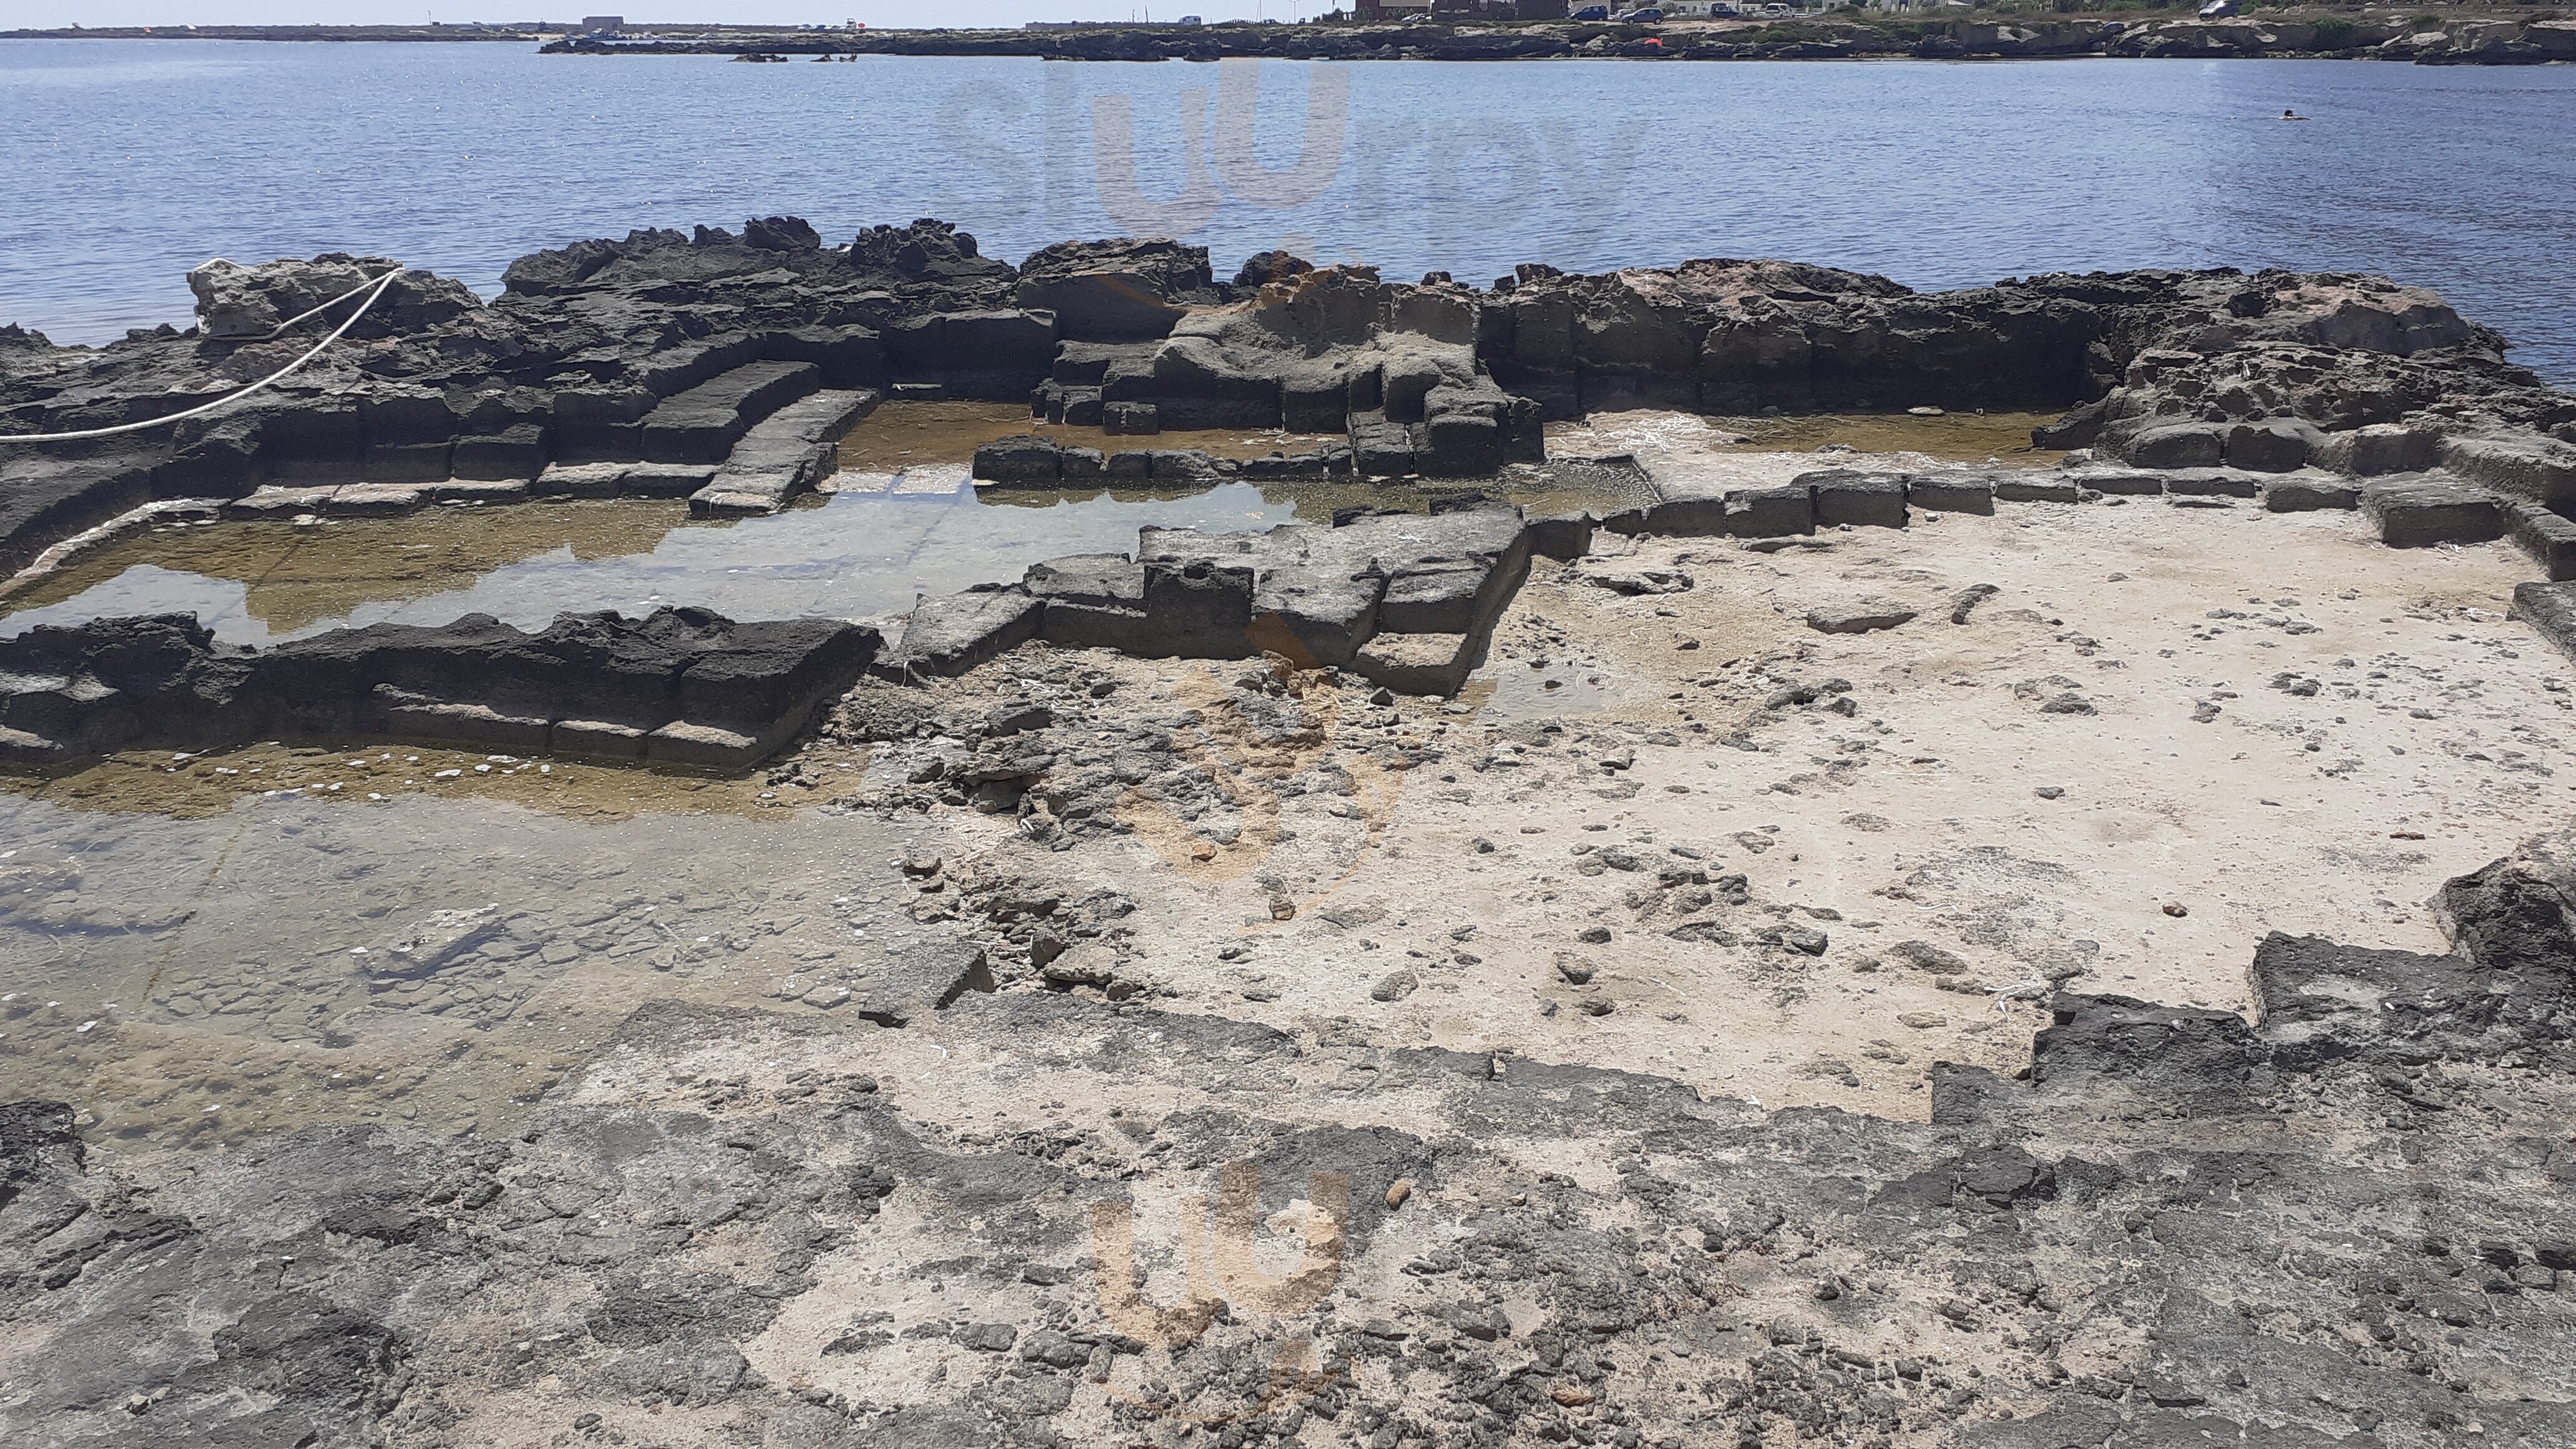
(1405, 599)
(681, 687)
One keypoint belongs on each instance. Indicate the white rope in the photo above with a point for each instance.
(378, 283)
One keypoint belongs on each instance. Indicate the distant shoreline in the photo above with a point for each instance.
(2466, 39)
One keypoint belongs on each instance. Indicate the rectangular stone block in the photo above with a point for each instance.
(276, 502)
(745, 500)
(601, 422)
(2308, 497)
(1382, 449)
(917, 980)
(2417, 513)
(1090, 601)
(580, 480)
(949, 635)
(1951, 492)
(664, 480)
(2550, 609)
(2213, 483)
(406, 462)
(702, 424)
(1562, 536)
(2035, 488)
(2549, 538)
(520, 452)
(1463, 445)
(1197, 608)
(850, 357)
(1770, 512)
(1130, 419)
(2377, 450)
(2119, 481)
(2541, 470)
(1026, 461)
(475, 490)
(1689, 508)
(1315, 616)
(1426, 664)
(1847, 496)
(1432, 601)
(374, 500)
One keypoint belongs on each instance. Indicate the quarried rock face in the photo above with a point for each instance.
(682, 686)
(1406, 599)
(1739, 336)
(676, 348)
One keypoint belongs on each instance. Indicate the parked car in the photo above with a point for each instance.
(1647, 16)
(1593, 12)
(1721, 11)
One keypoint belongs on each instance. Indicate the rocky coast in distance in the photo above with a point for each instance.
(1626, 936)
(2497, 35)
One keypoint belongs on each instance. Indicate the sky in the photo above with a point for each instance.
(42, 14)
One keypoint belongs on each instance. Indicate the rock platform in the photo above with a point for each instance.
(597, 374)
(2343, 1222)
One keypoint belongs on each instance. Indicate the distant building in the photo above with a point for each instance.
(603, 24)
(1385, 11)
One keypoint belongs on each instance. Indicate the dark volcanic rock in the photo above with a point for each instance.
(676, 347)
(1116, 291)
(682, 685)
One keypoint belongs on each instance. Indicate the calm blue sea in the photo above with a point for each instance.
(127, 162)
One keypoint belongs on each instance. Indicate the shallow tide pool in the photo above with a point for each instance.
(899, 522)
